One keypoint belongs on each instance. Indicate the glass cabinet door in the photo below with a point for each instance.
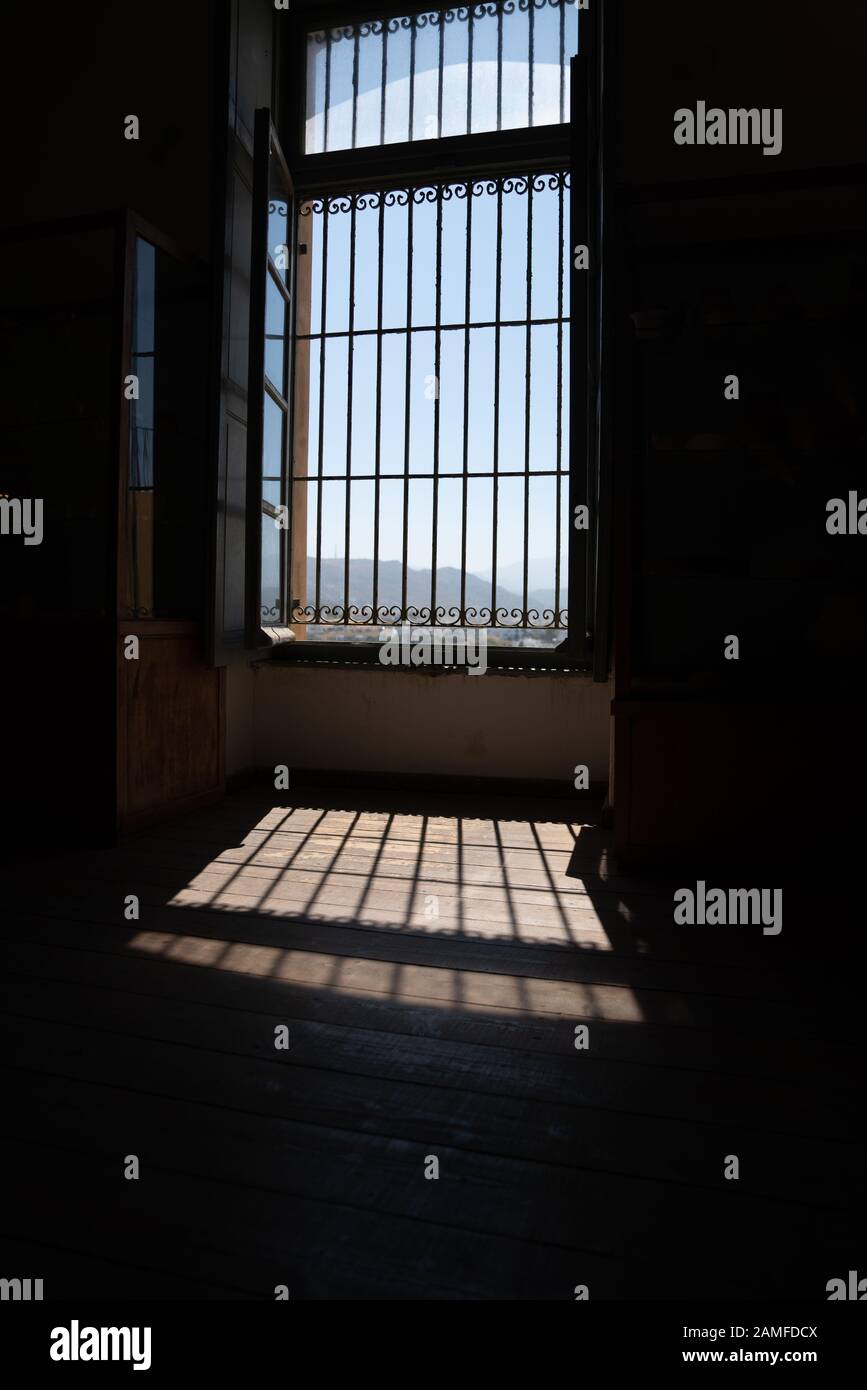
(163, 503)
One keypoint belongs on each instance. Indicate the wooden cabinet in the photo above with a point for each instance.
(104, 334)
(170, 699)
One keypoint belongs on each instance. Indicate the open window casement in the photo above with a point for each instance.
(270, 510)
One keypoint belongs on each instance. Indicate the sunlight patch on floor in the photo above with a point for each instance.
(434, 986)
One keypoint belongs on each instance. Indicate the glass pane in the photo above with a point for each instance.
(455, 55)
(424, 257)
(450, 493)
(540, 562)
(363, 444)
(368, 121)
(275, 335)
(335, 402)
(543, 397)
(481, 401)
(141, 467)
(510, 551)
(339, 111)
(393, 403)
(546, 238)
(333, 549)
(394, 242)
(367, 261)
(513, 277)
(452, 381)
(313, 515)
(273, 439)
(317, 53)
(453, 291)
(425, 112)
(443, 72)
(484, 70)
(144, 297)
(483, 304)
(411, 398)
(513, 389)
(278, 233)
(271, 588)
(515, 83)
(337, 266)
(399, 44)
(480, 533)
(419, 542)
(142, 420)
(162, 506)
(362, 500)
(275, 422)
(547, 75)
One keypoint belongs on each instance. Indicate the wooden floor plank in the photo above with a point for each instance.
(415, 979)
(254, 1239)
(464, 920)
(613, 1142)
(412, 1036)
(766, 1058)
(353, 936)
(567, 1077)
(477, 1194)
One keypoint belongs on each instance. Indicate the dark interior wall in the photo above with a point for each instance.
(57, 442)
(731, 261)
(77, 71)
(794, 54)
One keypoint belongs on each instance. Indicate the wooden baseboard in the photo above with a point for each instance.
(408, 783)
(170, 810)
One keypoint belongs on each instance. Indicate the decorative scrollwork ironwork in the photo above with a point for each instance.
(433, 19)
(515, 183)
(440, 190)
(448, 616)
(541, 182)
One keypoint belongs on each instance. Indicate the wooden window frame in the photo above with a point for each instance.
(576, 145)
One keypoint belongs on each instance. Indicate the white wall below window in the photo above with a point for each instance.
(511, 726)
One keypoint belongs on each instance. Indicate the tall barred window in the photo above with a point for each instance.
(417, 461)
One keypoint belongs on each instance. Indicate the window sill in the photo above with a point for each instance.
(521, 661)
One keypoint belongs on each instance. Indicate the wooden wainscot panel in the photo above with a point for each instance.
(171, 723)
(702, 776)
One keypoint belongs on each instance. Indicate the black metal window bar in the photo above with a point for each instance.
(378, 329)
(494, 66)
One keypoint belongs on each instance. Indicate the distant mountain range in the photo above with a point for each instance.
(540, 575)
(418, 585)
